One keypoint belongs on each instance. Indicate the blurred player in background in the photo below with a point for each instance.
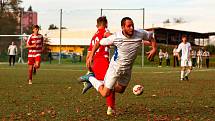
(12, 52)
(186, 63)
(199, 58)
(175, 57)
(166, 55)
(193, 54)
(160, 55)
(206, 54)
(101, 61)
(35, 46)
(126, 42)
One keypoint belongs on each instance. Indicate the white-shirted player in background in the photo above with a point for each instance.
(199, 58)
(126, 42)
(12, 52)
(186, 63)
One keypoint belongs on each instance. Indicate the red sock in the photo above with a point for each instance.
(30, 74)
(110, 100)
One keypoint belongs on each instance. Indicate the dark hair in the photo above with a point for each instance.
(124, 19)
(35, 26)
(102, 21)
(184, 35)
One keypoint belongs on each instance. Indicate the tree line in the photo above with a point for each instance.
(10, 12)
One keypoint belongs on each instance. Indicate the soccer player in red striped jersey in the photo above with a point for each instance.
(35, 46)
(101, 60)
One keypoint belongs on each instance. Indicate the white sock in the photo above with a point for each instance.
(187, 72)
(96, 83)
(182, 74)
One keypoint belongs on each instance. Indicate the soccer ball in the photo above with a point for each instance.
(138, 89)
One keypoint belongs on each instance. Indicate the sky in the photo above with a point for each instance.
(82, 14)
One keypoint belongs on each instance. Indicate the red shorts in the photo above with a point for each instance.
(100, 66)
(32, 60)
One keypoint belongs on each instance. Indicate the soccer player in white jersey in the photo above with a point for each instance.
(186, 63)
(126, 42)
(12, 52)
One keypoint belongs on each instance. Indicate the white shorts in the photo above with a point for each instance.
(115, 74)
(185, 63)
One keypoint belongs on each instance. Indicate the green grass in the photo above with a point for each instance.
(55, 95)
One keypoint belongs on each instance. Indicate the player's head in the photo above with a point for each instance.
(184, 38)
(102, 22)
(12, 43)
(35, 29)
(127, 26)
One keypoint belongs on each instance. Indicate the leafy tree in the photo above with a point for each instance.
(9, 14)
(30, 8)
(52, 26)
(9, 22)
(175, 20)
(166, 21)
(63, 27)
(178, 20)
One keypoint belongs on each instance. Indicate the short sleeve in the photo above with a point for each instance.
(108, 41)
(190, 46)
(146, 35)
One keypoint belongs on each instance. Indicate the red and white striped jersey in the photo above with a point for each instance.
(103, 51)
(38, 39)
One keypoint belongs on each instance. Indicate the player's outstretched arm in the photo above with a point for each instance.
(152, 52)
(107, 34)
(88, 55)
(147, 43)
(91, 54)
(104, 41)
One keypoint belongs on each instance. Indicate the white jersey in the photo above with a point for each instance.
(126, 48)
(161, 54)
(206, 54)
(166, 55)
(185, 48)
(200, 53)
(125, 53)
(12, 50)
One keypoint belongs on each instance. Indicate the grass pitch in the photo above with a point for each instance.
(56, 95)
